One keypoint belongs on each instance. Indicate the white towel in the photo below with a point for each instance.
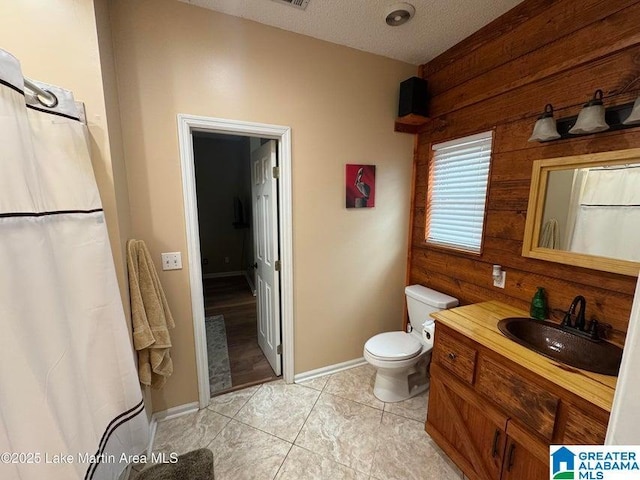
(550, 238)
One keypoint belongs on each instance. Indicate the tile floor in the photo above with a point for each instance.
(327, 428)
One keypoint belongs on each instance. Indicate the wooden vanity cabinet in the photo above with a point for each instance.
(480, 439)
(467, 428)
(496, 419)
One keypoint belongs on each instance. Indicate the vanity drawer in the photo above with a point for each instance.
(531, 404)
(458, 358)
(583, 428)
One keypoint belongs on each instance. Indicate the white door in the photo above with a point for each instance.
(265, 224)
(624, 423)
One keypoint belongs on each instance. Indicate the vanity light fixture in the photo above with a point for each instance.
(591, 117)
(545, 128)
(634, 117)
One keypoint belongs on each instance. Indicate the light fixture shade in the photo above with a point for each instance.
(591, 117)
(545, 128)
(635, 114)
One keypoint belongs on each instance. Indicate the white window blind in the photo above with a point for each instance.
(458, 177)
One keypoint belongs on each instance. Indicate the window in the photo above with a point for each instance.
(458, 177)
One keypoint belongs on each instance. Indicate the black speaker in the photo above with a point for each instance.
(414, 97)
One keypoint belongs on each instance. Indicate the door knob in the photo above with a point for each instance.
(255, 265)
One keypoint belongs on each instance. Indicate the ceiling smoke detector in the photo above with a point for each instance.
(399, 14)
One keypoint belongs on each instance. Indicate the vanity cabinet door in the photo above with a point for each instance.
(525, 457)
(467, 428)
(521, 464)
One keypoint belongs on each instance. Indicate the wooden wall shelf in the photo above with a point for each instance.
(411, 123)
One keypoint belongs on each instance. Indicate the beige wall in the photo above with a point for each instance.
(349, 266)
(119, 185)
(56, 42)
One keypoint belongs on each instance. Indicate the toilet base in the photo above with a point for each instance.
(392, 385)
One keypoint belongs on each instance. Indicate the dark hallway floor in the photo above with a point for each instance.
(232, 297)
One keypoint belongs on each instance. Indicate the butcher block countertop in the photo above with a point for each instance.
(479, 323)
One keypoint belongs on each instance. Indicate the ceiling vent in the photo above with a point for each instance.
(301, 4)
(399, 14)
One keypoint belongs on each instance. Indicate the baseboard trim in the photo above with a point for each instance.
(238, 273)
(126, 473)
(168, 414)
(250, 282)
(174, 412)
(153, 425)
(328, 370)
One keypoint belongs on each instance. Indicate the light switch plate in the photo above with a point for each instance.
(172, 261)
(501, 281)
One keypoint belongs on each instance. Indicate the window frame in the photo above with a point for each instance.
(489, 134)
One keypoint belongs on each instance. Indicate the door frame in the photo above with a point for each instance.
(282, 134)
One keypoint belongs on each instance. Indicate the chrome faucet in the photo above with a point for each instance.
(580, 322)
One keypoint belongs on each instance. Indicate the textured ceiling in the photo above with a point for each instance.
(436, 26)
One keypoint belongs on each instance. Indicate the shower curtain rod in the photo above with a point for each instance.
(45, 97)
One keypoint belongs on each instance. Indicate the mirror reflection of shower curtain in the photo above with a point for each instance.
(579, 179)
(68, 379)
(607, 219)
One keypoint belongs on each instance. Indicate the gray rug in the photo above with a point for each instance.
(218, 353)
(195, 465)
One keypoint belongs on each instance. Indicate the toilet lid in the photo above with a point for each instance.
(393, 346)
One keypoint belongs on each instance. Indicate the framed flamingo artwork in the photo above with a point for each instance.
(360, 185)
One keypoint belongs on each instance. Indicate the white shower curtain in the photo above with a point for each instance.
(68, 384)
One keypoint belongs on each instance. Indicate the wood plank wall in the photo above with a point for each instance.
(542, 51)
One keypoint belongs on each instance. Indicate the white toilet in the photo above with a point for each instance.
(402, 358)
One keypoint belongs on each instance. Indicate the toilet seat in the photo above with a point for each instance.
(393, 346)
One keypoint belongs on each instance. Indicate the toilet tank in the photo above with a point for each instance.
(422, 301)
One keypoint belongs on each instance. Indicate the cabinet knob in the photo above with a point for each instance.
(452, 355)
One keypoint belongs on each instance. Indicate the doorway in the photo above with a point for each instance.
(223, 278)
(237, 240)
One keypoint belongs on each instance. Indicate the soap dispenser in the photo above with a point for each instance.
(539, 309)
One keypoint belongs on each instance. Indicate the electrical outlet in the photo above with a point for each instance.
(226, 260)
(499, 282)
(172, 261)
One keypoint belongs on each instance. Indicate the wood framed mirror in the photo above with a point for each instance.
(584, 210)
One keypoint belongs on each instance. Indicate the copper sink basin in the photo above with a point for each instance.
(554, 342)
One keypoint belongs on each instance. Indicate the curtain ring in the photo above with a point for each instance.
(44, 97)
(43, 100)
